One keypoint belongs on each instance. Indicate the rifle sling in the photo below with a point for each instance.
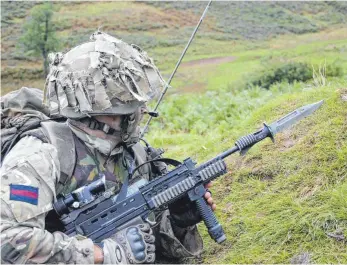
(168, 161)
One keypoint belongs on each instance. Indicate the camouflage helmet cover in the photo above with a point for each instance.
(105, 76)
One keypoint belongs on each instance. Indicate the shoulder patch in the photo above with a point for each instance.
(24, 193)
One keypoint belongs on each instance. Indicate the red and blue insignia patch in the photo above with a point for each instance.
(24, 193)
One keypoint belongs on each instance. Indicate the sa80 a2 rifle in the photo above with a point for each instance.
(97, 213)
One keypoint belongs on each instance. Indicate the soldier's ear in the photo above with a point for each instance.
(144, 109)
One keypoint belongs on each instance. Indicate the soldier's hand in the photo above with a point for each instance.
(132, 245)
(208, 196)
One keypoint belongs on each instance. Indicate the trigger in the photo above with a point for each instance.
(151, 219)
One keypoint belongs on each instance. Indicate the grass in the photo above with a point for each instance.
(284, 200)
(224, 82)
(166, 39)
(251, 58)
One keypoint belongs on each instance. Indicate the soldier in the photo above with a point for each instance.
(101, 87)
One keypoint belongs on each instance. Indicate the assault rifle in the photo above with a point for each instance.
(97, 213)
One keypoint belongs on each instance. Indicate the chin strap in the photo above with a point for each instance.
(129, 134)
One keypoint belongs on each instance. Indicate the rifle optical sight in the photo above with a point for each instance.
(80, 197)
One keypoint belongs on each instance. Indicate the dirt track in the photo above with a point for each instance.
(209, 61)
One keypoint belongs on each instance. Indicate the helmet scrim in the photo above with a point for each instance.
(103, 77)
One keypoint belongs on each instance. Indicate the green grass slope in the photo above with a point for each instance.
(289, 198)
(282, 202)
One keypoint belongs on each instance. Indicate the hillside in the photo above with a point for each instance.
(283, 202)
(162, 28)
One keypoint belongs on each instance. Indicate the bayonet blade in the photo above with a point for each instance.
(293, 117)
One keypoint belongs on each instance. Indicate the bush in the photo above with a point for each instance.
(21, 73)
(285, 73)
(334, 70)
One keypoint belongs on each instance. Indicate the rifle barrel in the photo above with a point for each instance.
(223, 155)
(228, 152)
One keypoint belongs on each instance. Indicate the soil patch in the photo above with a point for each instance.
(209, 61)
(193, 88)
(201, 87)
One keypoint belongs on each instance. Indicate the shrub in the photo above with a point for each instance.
(290, 72)
(323, 71)
(334, 69)
(294, 72)
(21, 73)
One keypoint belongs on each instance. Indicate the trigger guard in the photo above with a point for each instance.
(150, 219)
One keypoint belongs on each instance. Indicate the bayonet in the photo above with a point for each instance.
(293, 117)
(246, 142)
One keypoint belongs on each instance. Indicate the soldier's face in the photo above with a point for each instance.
(113, 121)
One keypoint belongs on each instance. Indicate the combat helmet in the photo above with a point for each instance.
(105, 76)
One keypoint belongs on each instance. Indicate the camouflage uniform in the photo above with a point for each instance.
(32, 177)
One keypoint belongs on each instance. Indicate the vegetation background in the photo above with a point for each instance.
(250, 62)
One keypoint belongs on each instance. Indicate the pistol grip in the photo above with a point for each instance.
(214, 228)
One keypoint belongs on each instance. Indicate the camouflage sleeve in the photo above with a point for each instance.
(177, 243)
(29, 175)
